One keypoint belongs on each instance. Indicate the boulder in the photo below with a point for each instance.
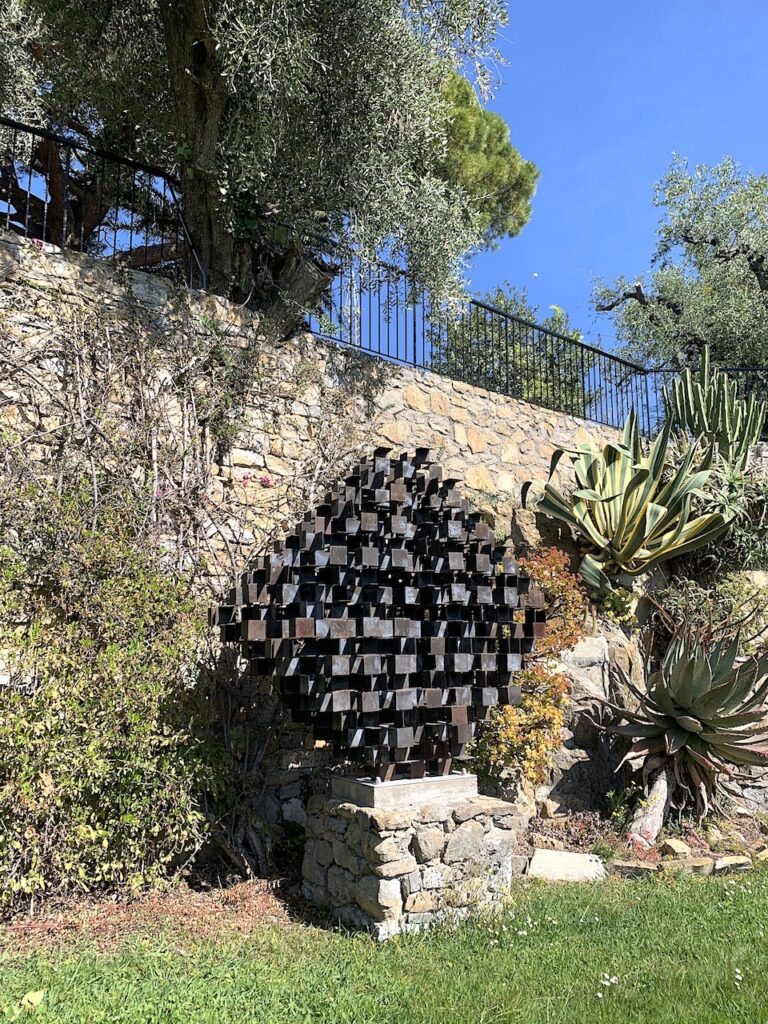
(584, 768)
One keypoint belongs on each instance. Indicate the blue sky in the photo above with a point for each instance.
(599, 95)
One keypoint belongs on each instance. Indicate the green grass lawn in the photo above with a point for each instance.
(676, 948)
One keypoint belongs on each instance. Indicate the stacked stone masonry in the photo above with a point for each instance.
(492, 444)
(392, 871)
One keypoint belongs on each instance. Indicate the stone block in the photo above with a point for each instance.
(466, 843)
(428, 843)
(732, 865)
(311, 870)
(411, 883)
(345, 857)
(321, 850)
(381, 851)
(369, 818)
(563, 866)
(632, 868)
(675, 848)
(421, 902)
(395, 868)
(689, 866)
(379, 897)
(340, 884)
(437, 876)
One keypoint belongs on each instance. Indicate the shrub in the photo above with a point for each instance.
(734, 606)
(566, 599)
(525, 736)
(98, 643)
(745, 545)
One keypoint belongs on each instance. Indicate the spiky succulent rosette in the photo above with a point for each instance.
(704, 713)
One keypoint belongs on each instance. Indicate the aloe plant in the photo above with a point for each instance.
(632, 511)
(709, 408)
(701, 716)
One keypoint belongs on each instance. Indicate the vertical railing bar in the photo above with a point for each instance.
(66, 203)
(29, 194)
(11, 175)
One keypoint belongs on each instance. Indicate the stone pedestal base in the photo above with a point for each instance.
(390, 871)
(404, 793)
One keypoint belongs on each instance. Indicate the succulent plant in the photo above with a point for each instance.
(709, 408)
(702, 713)
(632, 511)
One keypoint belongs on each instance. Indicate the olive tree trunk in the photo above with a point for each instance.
(652, 813)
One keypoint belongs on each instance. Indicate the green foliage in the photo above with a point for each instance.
(629, 512)
(745, 544)
(710, 282)
(703, 713)
(495, 351)
(482, 161)
(617, 605)
(731, 605)
(525, 736)
(99, 774)
(328, 115)
(710, 410)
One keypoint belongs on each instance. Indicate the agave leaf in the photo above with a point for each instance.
(743, 755)
(674, 740)
(661, 696)
(636, 731)
(592, 574)
(689, 724)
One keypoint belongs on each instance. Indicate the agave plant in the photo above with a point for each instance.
(702, 715)
(632, 511)
(709, 408)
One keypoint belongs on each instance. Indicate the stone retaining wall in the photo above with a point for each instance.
(316, 406)
(401, 870)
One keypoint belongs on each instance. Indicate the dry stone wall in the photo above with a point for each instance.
(315, 407)
(391, 871)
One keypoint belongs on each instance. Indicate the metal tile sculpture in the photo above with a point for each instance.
(390, 617)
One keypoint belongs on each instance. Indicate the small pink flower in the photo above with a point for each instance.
(38, 243)
(265, 481)
(246, 477)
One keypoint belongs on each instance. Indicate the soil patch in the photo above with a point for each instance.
(186, 910)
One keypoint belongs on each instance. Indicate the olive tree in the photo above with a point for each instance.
(331, 116)
(709, 279)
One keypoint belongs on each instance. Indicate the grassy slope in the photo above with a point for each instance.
(675, 947)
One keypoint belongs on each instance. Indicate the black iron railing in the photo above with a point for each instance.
(60, 191)
(378, 309)
(64, 193)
